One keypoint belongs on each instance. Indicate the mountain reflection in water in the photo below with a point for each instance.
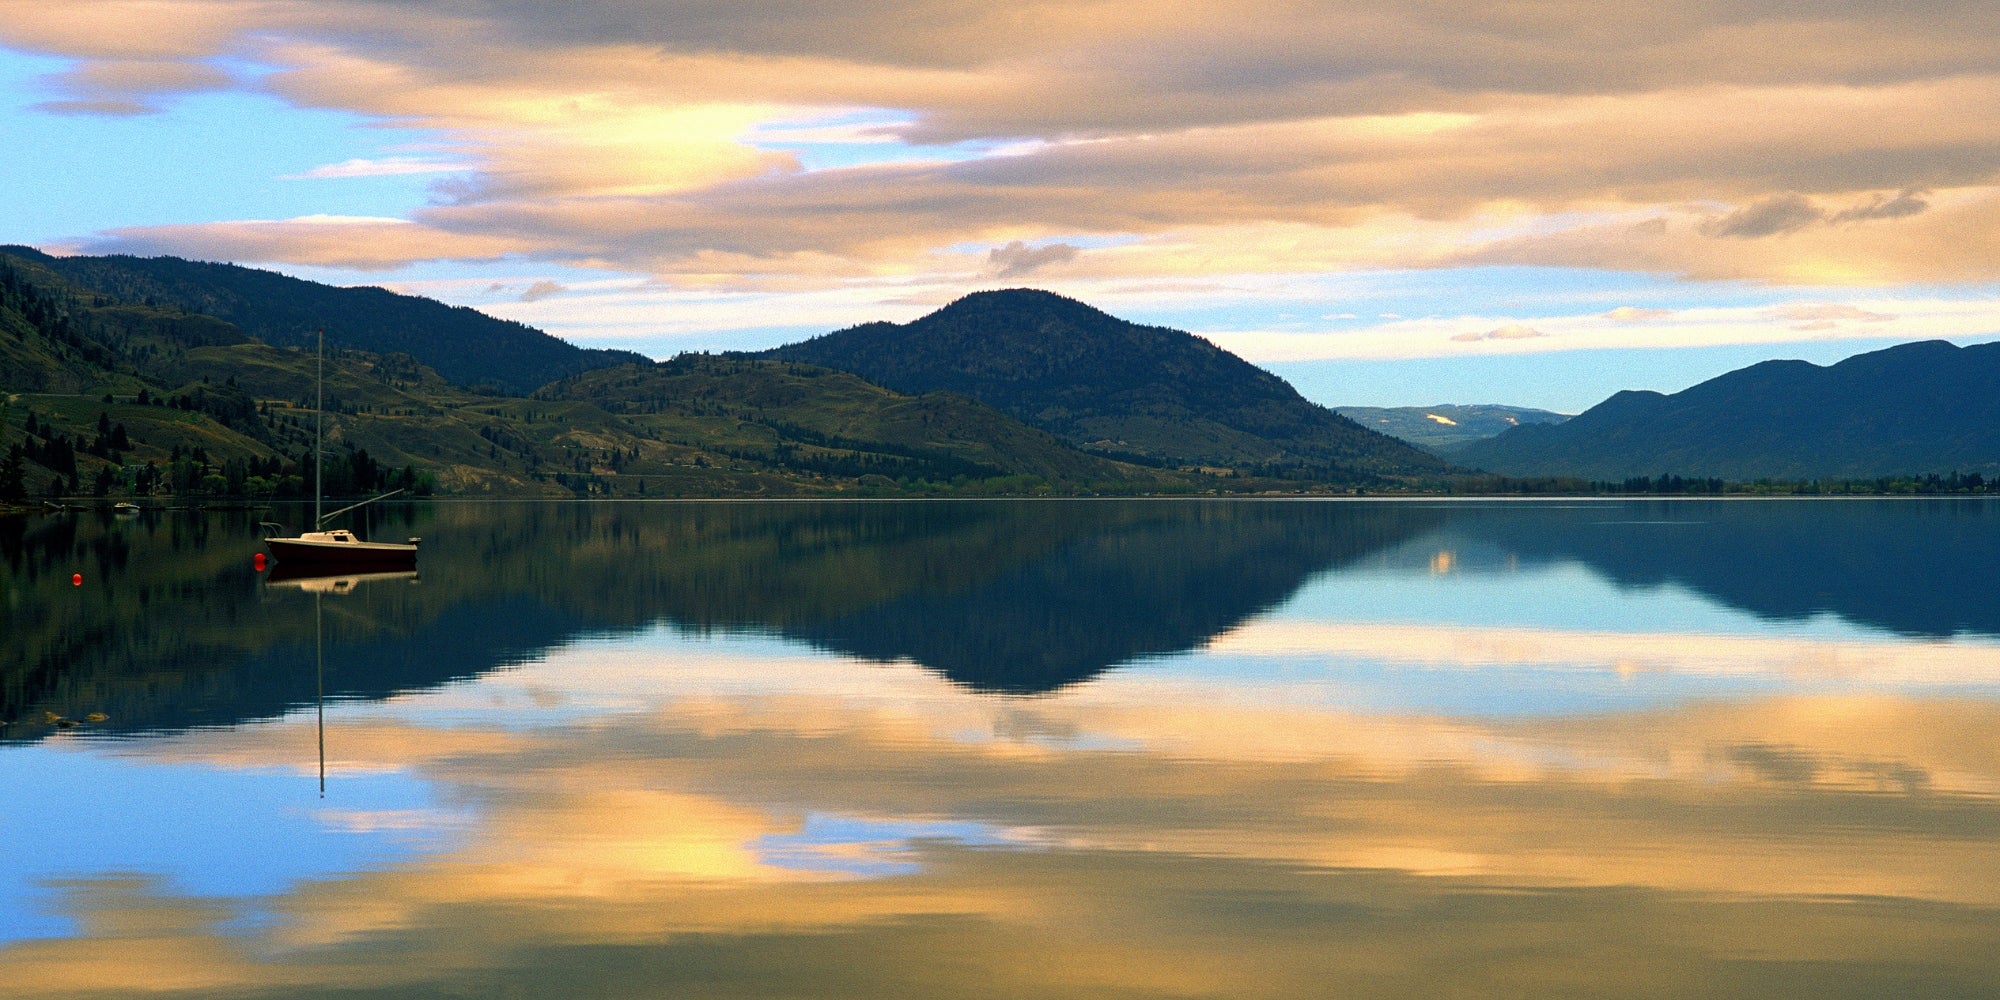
(1919, 566)
(1285, 749)
(174, 628)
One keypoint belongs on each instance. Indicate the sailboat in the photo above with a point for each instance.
(333, 551)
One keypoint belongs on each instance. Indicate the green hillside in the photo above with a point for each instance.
(102, 395)
(109, 398)
(1120, 389)
(464, 345)
(807, 417)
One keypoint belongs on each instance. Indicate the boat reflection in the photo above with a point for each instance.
(326, 580)
(320, 581)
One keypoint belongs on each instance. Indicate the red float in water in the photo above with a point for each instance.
(76, 579)
(258, 561)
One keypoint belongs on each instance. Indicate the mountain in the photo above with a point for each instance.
(115, 397)
(1928, 407)
(1116, 388)
(1447, 424)
(815, 420)
(464, 345)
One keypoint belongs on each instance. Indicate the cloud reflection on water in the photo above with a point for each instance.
(1179, 837)
(1310, 803)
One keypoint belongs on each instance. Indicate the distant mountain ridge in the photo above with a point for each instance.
(1447, 424)
(107, 397)
(464, 345)
(1927, 407)
(1114, 387)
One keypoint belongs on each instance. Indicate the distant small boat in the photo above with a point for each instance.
(333, 551)
(123, 509)
(339, 548)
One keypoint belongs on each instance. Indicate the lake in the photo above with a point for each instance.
(1011, 749)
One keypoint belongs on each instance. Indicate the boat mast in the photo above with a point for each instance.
(319, 429)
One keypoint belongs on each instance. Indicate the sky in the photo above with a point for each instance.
(1389, 202)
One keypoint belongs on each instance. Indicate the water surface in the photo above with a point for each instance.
(1052, 749)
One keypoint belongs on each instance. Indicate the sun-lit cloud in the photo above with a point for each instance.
(391, 166)
(1813, 312)
(1512, 331)
(364, 242)
(1929, 247)
(1446, 336)
(620, 134)
(1637, 314)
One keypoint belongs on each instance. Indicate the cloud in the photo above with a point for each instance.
(1777, 214)
(126, 87)
(1635, 314)
(1512, 331)
(1970, 318)
(1817, 311)
(362, 243)
(1904, 204)
(119, 108)
(1815, 317)
(601, 133)
(393, 166)
(1791, 211)
(1957, 239)
(803, 134)
(653, 829)
(541, 290)
(1017, 258)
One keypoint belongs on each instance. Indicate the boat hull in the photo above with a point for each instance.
(309, 552)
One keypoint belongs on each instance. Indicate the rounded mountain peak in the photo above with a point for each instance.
(1019, 301)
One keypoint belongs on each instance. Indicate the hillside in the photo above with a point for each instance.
(111, 398)
(1927, 407)
(811, 419)
(114, 397)
(465, 346)
(1446, 425)
(1116, 388)
(696, 426)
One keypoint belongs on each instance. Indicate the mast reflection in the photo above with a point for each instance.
(319, 583)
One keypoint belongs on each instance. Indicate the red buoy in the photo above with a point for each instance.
(258, 561)
(76, 579)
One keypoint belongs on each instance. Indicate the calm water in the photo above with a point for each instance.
(1034, 749)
